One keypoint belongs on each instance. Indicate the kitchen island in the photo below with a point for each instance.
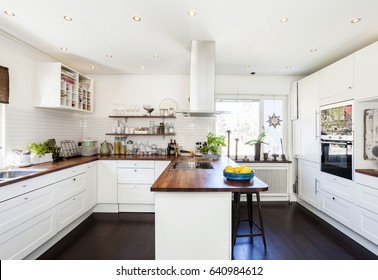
(193, 211)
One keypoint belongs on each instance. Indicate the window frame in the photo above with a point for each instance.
(260, 99)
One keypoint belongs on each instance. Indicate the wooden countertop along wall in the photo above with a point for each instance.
(197, 180)
(370, 172)
(204, 180)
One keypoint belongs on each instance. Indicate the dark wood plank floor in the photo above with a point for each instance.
(292, 233)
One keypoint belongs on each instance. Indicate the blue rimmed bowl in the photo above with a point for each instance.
(238, 176)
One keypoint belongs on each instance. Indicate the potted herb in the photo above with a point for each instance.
(257, 142)
(213, 146)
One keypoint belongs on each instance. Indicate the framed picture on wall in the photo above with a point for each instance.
(4, 85)
(371, 132)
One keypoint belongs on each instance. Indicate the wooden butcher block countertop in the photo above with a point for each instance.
(204, 180)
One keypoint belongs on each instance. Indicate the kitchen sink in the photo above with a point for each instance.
(188, 165)
(16, 173)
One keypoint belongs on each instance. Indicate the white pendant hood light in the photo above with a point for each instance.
(202, 81)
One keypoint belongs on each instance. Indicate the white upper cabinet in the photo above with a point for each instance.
(337, 81)
(308, 100)
(294, 101)
(367, 73)
(58, 86)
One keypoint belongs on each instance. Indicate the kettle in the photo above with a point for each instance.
(106, 148)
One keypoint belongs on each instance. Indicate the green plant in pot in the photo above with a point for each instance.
(257, 142)
(213, 146)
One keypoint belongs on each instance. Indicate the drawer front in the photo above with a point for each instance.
(20, 241)
(18, 210)
(366, 180)
(338, 208)
(367, 224)
(139, 194)
(70, 187)
(70, 210)
(339, 187)
(136, 163)
(135, 176)
(22, 187)
(69, 172)
(367, 197)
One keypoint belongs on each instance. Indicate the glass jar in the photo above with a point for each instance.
(117, 145)
(171, 128)
(166, 128)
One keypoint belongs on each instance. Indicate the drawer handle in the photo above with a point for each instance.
(74, 179)
(24, 186)
(333, 198)
(26, 198)
(74, 198)
(135, 170)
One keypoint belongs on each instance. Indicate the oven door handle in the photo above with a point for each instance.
(335, 142)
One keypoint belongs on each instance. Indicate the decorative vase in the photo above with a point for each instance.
(257, 151)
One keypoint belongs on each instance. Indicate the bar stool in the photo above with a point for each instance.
(236, 217)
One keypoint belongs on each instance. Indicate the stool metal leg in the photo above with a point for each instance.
(261, 219)
(250, 211)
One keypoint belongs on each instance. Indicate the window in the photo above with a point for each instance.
(249, 116)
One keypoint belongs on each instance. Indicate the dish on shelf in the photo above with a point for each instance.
(168, 103)
(238, 176)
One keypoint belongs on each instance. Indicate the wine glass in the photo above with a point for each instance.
(148, 108)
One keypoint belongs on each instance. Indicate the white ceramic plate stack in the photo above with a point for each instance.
(88, 148)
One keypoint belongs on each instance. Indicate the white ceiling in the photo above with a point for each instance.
(240, 29)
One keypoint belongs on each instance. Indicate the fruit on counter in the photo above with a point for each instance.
(240, 169)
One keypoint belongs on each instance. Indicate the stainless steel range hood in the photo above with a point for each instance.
(202, 81)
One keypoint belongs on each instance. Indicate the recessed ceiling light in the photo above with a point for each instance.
(142, 67)
(261, 49)
(64, 49)
(191, 13)
(284, 20)
(92, 67)
(109, 56)
(156, 56)
(313, 50)
(136, 18)
(9, 13)
(67, 18)
(355, 20)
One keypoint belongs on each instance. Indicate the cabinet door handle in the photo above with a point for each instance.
(316, 124)
(135, 170)
(24, 186)
(333, 198)
(26, 198)
(74, 179)
(316, 185)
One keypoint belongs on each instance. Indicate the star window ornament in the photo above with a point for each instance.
(274, 120)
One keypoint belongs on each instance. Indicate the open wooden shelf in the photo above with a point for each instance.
(144, 117)
(135, 134)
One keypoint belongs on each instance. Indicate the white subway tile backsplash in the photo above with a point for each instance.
(28, 125)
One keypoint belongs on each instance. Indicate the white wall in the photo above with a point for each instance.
(25, 124)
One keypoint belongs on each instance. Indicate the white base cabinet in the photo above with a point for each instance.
(23, 239)
(336, 207)
(309, 181)
(107, 181)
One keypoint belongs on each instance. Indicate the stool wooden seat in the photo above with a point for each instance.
(236, 217)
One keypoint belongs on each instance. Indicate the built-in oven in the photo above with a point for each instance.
(336, 140)
(337, 158)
